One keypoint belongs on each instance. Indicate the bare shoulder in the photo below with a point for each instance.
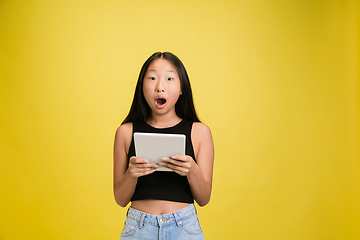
(201, 137)
(123, 135)
(203, 147)
(201, 130)
(124, 129)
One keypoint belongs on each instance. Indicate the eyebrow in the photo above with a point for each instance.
(153, 70)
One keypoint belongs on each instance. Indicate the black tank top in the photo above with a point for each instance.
(163, 185)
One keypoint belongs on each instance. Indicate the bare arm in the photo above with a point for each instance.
(199, 174)
(126, 174)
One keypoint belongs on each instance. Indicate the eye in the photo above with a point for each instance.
(170, 78)
(152, 78)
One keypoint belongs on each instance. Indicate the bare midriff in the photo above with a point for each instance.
(157, 207)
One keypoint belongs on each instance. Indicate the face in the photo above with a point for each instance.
(161, 86)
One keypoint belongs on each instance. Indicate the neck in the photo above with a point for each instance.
(162, 121)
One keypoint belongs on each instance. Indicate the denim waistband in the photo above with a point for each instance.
(164, 219)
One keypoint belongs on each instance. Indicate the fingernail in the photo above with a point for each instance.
(162, 164)
(164, 158)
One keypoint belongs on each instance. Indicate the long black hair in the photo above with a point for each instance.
(184, 107)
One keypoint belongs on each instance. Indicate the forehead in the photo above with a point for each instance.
(161, 65)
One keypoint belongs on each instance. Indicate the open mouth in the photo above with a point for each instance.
(160, 102)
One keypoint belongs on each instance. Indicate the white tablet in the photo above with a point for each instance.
(154, 146)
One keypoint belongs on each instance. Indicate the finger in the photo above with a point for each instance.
(138, 160)
(180, 158)
(173, 166)
(178, 169)
(141, 164)
(183, 161)
(145, 172)
(141, 170)
(144, 166)
(173, 161)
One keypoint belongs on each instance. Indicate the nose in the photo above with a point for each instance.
(160, 86)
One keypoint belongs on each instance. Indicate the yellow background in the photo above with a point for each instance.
(276, 81)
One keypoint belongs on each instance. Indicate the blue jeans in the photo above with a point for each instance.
(182, 224)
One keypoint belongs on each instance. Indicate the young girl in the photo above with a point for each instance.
(162, 201)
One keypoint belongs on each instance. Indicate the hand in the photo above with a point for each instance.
(182, 165)
(140, 167)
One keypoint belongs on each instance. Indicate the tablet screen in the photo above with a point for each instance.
(154, 146)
